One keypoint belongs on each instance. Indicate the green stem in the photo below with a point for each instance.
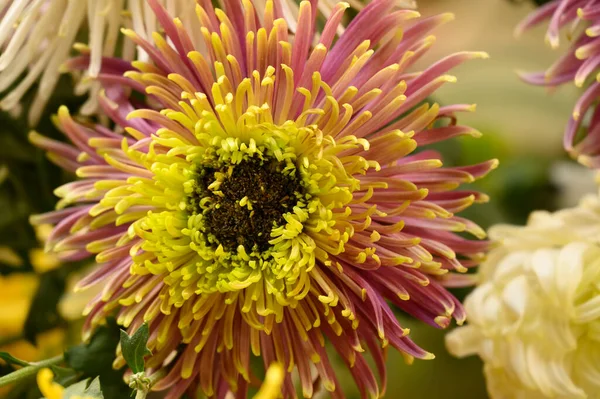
(154, 378)
(29, 371)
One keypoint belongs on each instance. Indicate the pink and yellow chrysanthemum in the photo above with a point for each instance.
(269, 195)
(37, 37)
(579, 64)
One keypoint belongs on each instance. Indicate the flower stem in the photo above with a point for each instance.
(154, 378)
(29, 371)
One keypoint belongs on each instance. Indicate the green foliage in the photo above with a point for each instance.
(10, 359)
(95, 358)
(134, 348)
(85, 389)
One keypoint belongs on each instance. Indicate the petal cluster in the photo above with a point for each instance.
(580, 64)
(534, 318)
(264, 193)
(34, 43)
(37, 37)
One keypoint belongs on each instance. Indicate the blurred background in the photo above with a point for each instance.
(522, 127)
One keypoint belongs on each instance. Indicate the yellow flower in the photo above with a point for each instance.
(16, 294)
(534, 319)
(49, 388)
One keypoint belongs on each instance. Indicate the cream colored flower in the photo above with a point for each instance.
(37, 37)
(534, 319)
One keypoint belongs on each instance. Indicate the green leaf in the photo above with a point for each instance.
(134, 348)
(95, 358)
(85, 389)
(94, 390)
(12, 360)
(76, 389)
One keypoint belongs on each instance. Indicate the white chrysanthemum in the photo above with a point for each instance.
(534, 319)
(37, 36)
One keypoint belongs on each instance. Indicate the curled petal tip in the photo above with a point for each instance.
(461, 320)
(552, 40)
(480, 54)
(475, 133)
(585, 160)
(448, 16)
(581, 53)
(34, 138)
(128, 32)
(34, 219)
(449, 78)
(78, 288)
(81, 48)
(483, 198)
(63, 112)
(442, 321)
(591, 32)
(518, 31)
(412, 14)
(304, 4)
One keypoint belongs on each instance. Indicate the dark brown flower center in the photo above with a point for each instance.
(251, 200)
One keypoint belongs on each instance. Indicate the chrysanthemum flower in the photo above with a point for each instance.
(580, 63)
(267, 195)
(37, 37)
(534, 318)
